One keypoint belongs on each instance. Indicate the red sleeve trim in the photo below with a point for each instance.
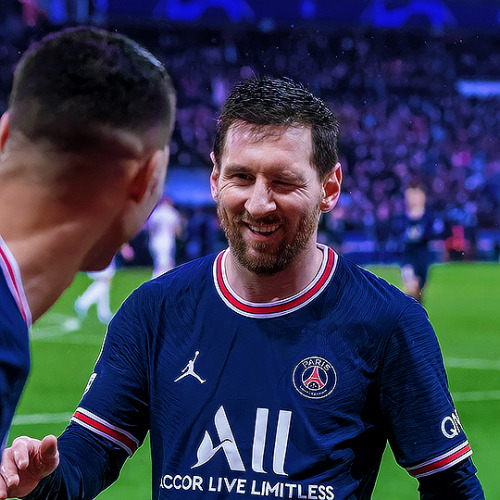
(104, 429)
(442, 462)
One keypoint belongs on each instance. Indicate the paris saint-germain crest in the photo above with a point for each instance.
(314, 377)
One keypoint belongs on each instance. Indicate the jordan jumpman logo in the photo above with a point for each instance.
(189, 370)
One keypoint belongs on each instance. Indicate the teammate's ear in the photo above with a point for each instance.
(214, 177)
(331, 189)
(4, 130)
(149, 175)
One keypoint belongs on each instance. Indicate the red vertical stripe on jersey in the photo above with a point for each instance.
(14, 286)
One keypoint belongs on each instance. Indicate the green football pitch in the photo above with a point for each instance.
(463, 304)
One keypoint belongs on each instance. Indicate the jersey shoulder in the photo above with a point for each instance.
(367, 289)
(179, 290)
(10, 314)
(193, 275)
(368, 301)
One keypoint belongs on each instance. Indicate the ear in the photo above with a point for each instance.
(4, 130)
(331, 189)
(149, 177)
(214, 177)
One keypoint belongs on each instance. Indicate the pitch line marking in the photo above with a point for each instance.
(63, 329)
(42, 418)
(477, 396)
(473, 364)
(55, 325)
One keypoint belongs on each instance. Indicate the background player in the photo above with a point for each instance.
(421, 228)
(84, 150)
(303, 365)
(165, 225)
(99, 291)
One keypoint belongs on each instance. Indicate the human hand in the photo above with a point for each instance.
(25, 463)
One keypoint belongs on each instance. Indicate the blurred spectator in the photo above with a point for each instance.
(456, 244)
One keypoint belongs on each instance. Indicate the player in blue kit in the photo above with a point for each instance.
(83, 155)
(275, 369)
(420, 229)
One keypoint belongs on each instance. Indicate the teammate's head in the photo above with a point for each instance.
(271, 101)
(75, 85)
(92, 111)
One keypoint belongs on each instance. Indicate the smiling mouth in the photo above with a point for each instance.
(263, 229)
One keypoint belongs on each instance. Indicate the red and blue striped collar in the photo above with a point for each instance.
(12, 275)
(265, 310)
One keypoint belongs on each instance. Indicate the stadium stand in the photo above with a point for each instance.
(412, 103)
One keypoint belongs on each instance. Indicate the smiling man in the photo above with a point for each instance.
(269, 198)
(275, 369)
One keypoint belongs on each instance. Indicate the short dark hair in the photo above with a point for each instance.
(274, 101)
(85, 77)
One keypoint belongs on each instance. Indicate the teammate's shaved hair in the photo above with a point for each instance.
(84, 80)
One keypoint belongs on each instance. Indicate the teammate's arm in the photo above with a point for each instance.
(35, 469)
(109, 425)
(87, 466)
(25, 463)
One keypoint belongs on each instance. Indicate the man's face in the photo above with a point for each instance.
(268, 195)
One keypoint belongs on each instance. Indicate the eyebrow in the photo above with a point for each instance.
(233, 168)
(279, 172)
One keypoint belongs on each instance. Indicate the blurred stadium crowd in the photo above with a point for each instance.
(412, 104)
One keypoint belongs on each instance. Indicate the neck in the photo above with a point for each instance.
(48, 237)
(416, 212)
(47, 262)
(263, 288)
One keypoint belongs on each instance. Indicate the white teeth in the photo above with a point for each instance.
(264, 230)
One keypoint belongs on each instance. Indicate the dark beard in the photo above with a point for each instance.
(266, 264)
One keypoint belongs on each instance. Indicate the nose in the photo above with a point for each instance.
(260, 201)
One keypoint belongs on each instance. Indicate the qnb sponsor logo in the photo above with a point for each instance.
(451, 426)
(228, 446)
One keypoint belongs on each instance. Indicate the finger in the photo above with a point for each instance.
(48, 450)
(3, 489)
(9, 469)
(21, 453)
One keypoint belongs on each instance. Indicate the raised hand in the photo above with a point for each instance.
(25, 463)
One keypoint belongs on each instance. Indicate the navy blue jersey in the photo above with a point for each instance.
(15, 319)
(418, 234)
(290, 399)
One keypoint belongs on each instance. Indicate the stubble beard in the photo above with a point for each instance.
(257, 257)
